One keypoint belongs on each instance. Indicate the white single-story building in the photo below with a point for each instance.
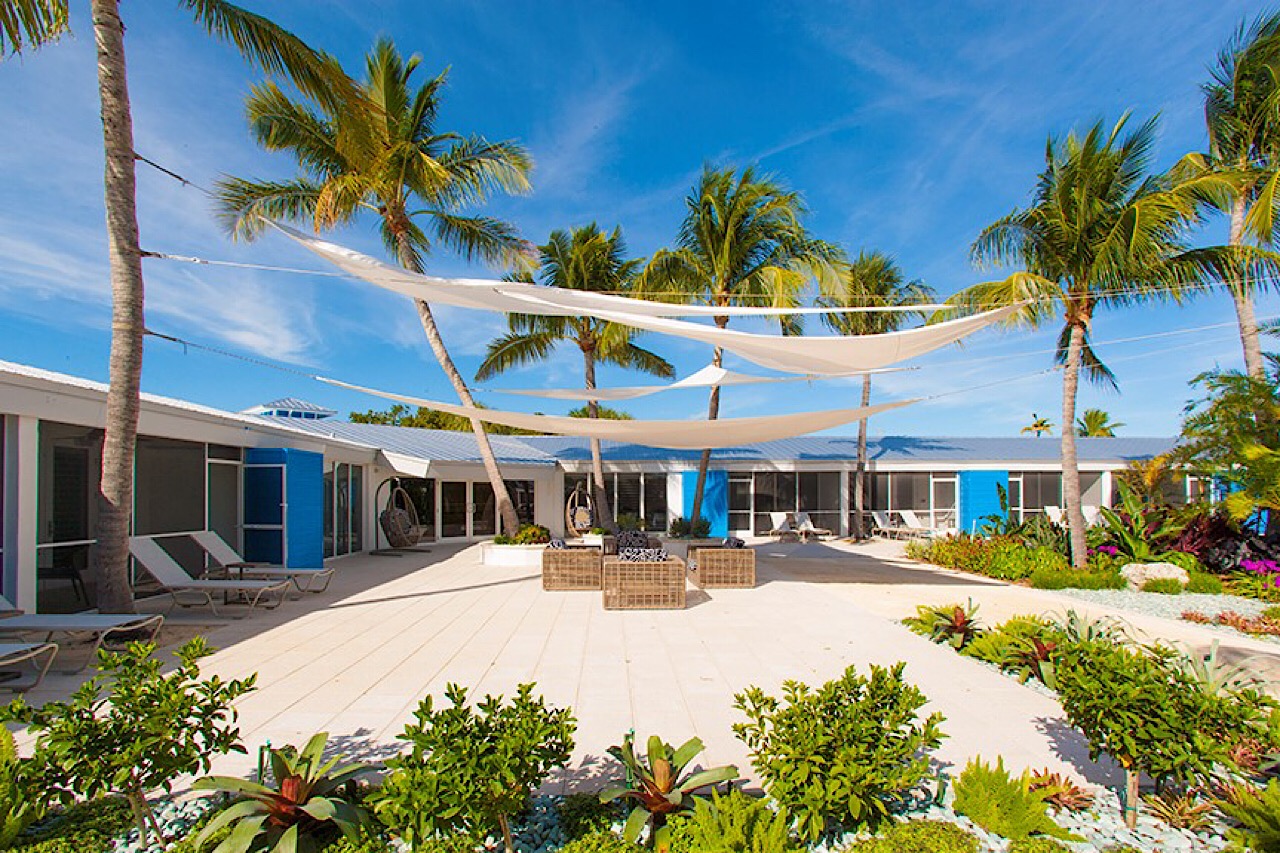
(288, 482)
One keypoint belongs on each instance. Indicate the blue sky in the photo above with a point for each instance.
(907, 127)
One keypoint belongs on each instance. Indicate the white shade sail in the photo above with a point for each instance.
(708, 377)
(509, 296)
(680, 435)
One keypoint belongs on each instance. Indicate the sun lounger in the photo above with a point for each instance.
(882, 525)
(16, 654)
(180, 585)
(227, 558)
(102, 629)
(1054, 513)
(1090, 514)
(806, 528)
(782, 528)
(912, 526)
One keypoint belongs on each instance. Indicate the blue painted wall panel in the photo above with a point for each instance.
(305, 484)
(978, 496)
(288, 492)
(715, 499)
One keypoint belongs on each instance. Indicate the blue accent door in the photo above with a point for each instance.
(284, 507)
(715, 499)
(979, 496)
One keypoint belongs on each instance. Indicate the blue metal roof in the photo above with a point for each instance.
(429, 444)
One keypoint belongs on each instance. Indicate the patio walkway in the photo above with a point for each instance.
(357, 660)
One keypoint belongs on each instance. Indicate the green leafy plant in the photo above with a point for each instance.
(131, 729)
(1032, 657)
(920, 836)
(1202, 582)
(1258, 815)
(680, 528)
(305, 807)
(532, 534)
(734, 823)
(81, 827)
(582, 814)
(1060, 791)
(997, 645)
(1038, 844)
(1075, 627)
(1013, 561)
(630, 521)
(661, 784)
(838, 756)
(948, 623)
(471, 768)
(600, 842)
(1008, 806)
(1076, 579)
(1147, 716)
(21, 802)
(1163, 586)
(1180, 809)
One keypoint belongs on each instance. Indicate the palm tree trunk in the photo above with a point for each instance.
(860, 472)
(1240, 294)
(115, 498)
(704, 462)
(506, 510)
(600, 497)
(1070, 465)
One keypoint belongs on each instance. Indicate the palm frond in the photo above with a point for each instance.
(1092, 366)
(515, 350)
(244, 206)
(31, 23)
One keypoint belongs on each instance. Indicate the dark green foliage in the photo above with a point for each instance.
(1002, 804)
(838, 756)
(470, 767)
(1259, 818)
(306, 805)
(997, 645)
(658, 784)
(581, 814)
(131, 729)
(425, 418)
(920, 836)
(370, 842)
(22, 801)
(735, 823)
(80, 828)
(600, 842)
(948, 623)
(680, 528)
(1163, 586)
(1038, 845)
(1075, 579)
(532, 534)
(1204, 583)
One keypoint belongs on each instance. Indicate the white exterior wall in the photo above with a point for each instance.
(21, 474)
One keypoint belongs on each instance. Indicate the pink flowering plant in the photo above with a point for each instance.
(1258, 579)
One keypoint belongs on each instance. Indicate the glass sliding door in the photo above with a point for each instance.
(453, 510)
(70, 468)
(655, 502)
(820, 497)
(484, 510)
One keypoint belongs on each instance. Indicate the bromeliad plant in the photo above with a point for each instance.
(660, 785)
(305, 809)
(948, 623)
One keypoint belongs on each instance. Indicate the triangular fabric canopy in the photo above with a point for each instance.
(708, 377)
(509, 296)
(679, 435)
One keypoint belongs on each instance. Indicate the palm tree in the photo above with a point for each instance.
(394, 162)
(1039, 426)
(1095, 423)
(264, 44)
(872, 279)
(1241, 105)
(584, 259)
(741, 242)
(1098, 232)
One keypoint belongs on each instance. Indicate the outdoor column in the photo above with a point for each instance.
(846, 506)
(21, 487)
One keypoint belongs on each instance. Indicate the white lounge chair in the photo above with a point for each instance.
(782, 527)
(15, 654)
(912, 526)
(806, 528)
(178, 583)
(882, 525)
(227, 558)
(1054, 513)
(1090, 514)
(100, 628)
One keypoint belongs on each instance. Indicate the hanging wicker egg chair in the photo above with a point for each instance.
(399, 521)
(579, 511)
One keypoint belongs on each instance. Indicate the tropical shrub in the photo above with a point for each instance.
(1145, 715)
(82, 827)
(21, 802)
(681, 529)
(1074, 627)
(964, 552)
(532, 534)
(582, 814)
(1075, 579)
(734, 823)
(471, 767)
(997, 645)
(1257, 579)
(306, 805)
(920, 836)
(838, 756)
(1163, 586)
(131, 729)
(1009, 807)
(629, 521)
(1204, 583)
(1038, 844)
(1014, 561)
(659, 784)
(1258, 816)
(1180, 809)
(948, 623)
(1060, 791)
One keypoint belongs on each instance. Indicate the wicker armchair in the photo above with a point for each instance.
(644, 586)
(570, 568)
(723, 568)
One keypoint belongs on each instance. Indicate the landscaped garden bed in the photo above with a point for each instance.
(844, 766)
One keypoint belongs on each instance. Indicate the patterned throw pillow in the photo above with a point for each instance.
(632, 539)
(734, 542)
(642, 555)
(556, 544)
